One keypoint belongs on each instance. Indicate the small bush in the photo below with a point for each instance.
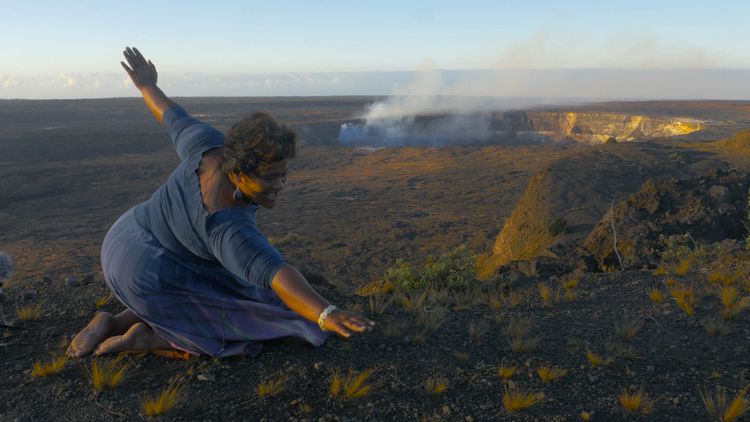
(594, 359)
(685, 298)
(453, 270)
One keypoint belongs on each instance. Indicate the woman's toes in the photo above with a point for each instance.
(137, 338)
(97, 330)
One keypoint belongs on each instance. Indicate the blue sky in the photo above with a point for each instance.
(61, 49)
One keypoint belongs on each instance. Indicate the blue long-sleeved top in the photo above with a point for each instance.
(176, 216)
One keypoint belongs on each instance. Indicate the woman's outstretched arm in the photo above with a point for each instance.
(297, 293)
(143, 74)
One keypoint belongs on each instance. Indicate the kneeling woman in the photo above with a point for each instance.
(190, 265)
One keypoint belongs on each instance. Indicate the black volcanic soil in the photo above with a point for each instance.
(346, 215)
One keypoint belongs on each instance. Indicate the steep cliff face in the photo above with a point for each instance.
(593, 127)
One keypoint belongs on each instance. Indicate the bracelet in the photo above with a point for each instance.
(324, 315)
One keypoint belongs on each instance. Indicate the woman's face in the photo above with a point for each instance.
(263, 185)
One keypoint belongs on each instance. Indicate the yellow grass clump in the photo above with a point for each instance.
(435, 386)
(719, 409)
(594, 359)
(635, 401)
(507, 372)
(656, 295)
(721, 278)
(352, 385)
(477, 330)
(682, 268)
(165, 401)
(684, 297)
(661, 270)
(550, 373)
(103, 301)
(42, 369)
(515, 399)
(585, 416)
(545, 292)
(29, 312)
(271, 387)
(732, 302)
(108, 374)
(628, 328)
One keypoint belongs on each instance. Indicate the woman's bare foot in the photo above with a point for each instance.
(140, 337)
(101, 327)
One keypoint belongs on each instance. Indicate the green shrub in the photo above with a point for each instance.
(453, 270)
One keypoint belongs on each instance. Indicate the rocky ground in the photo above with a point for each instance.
(670, 357)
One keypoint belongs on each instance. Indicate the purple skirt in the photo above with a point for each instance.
(198, 306)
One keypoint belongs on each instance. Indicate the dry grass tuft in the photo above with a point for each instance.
(524, 345)
(379, 303)
(461, 356)
(103, 301)
(717, 407)
(352, 385)
(635, 401)
(42, 369)
(716, 327)
(683, 268)
(626, 329)
(435, 386)
(660, 271)
(515, 399)
(517, 327)
(685, 298)
(432, 319)
(545, 293)
(108, 374)
(570, 295)
(721, 278)
(271, 387)
(550, 373)
(571, 283)
(594, 359)
(477, 330)
(656, 295)
(733, 303)
(165, 401)
(29, 312)
(507, 372)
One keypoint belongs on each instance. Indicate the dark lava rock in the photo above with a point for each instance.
(71, 281)
(710, 208)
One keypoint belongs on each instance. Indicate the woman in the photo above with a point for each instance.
(190, 265)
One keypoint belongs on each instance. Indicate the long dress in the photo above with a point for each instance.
(201, 280)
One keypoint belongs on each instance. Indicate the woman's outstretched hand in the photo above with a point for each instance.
(345, 323)
(141, 71)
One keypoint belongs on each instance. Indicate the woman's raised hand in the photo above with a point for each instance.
(345, 323)
(141, 71)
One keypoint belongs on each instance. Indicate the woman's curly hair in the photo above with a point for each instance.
(255, 140)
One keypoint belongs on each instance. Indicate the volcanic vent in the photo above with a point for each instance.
(511, 128)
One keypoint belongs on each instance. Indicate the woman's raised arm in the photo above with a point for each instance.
(143, 74)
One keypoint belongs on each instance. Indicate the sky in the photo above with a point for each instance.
(635, 49)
